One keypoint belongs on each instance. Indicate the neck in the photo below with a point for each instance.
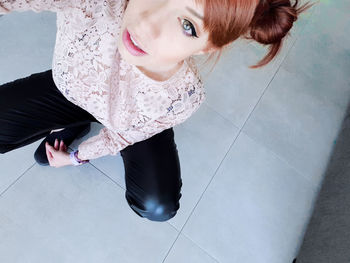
(161, 75)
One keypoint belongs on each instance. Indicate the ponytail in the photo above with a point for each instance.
(272, 21)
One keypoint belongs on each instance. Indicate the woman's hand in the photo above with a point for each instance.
(57, 155)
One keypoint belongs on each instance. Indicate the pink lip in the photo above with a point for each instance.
(134, 50)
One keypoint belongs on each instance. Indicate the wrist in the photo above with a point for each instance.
(77, 155)
(75, 160)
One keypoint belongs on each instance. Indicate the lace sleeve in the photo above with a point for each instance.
(7, 6)
(109, 142)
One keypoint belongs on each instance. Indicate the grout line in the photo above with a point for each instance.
(200, 198)
(201, 248)
(111, 179)
(14, 182)
(279, 157)
(303, 175)
(166, 222)
(296, 38)
(222, 116)
(115, 182)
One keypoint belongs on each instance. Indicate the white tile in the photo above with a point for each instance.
(202, 142)
(76, 214)
(26, 44)
(321, 57)
(185, 251)
(296, 125)
(113, 167)
(232, 88)
(16, 162)
(26, 47)
(332, 18)
(254, 210)
(301, 112)
(110, 165)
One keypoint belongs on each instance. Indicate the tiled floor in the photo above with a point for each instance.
(252, 158)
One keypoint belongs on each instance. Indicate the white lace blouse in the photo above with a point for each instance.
(89, 71)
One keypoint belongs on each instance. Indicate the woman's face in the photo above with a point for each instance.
(167, 30)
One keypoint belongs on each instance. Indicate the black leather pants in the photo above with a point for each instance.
(31, 107)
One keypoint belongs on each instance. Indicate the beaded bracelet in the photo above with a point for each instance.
(75, 160)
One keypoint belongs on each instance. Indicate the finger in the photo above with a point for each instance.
(56, 144)
(48, 153)
(65, 148)
(62, 146)
(50, 150)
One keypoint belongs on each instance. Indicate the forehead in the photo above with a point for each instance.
(195, 5)
(194, 12)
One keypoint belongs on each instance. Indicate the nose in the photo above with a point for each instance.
(153, 19)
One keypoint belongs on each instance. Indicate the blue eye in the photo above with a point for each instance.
(189, 26)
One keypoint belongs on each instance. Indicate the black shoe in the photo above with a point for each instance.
(68, 135)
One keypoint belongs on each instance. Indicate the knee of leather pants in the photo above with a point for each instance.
(154, 209)
(153, 177)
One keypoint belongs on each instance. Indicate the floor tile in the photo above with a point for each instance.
(202, 142)
(254, 210)
(328, 7)
(300, 114)
(26, 44)
(24, 50)
(111, 165)
(76, 214)
(232, 88)
(322, 56)
(15, 163)
(185, 251)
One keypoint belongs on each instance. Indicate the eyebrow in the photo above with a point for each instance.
(194, 12)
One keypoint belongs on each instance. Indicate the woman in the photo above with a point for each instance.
(128, 65)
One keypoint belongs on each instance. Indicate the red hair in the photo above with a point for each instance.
(265, 21)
